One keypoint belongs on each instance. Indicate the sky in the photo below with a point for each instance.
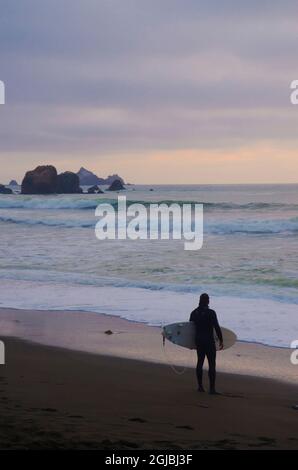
(159, 91)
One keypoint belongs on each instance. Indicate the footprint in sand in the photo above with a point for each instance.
(267, 440)
(138, 420)
(232, 395)
(124, 443)
(169, 444)
(223, 443)
(189, 428)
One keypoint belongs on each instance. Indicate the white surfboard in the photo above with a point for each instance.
(183, 334)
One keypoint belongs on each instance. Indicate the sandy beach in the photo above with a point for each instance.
(148, 178)
(117, 391)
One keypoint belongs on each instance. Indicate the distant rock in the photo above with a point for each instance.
(94, 190)
(68, 183)
(5, 190)
(110, 179)
(88, 178)
(45, 180)
(42, 180)
(13, 183)
(116, 186)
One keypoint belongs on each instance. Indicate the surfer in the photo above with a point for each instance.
(206, 322)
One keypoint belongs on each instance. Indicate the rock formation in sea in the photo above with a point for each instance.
(116, 186)
(68, 183)
(111, 178)
(94, 190)
(45, 180)
(42, 180)
(13, 183)
(5, 190)
(88, 178)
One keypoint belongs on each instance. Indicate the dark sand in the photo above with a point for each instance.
(62, 399)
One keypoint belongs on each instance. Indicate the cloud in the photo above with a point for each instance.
(114, 76)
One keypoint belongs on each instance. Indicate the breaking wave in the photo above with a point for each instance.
(253, 227)
(90, 202)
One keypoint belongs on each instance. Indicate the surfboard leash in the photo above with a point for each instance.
(170, 364)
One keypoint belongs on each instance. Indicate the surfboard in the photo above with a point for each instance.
(183, 334)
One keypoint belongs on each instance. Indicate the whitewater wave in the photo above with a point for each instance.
(250, 227)
(226, 287)
(49, 222)
(47, 202)
(90, 202)
(254, 227)
(157, 308)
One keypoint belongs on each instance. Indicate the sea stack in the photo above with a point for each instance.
(94, 190)
(45, 180)
(116, 186)
(68, 183)
(42, 180)
(87, 178)
(5, 190)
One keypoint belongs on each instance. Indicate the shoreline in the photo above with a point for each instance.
(85, 332)
(86, 312)
(47, 291)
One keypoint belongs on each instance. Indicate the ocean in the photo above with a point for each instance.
(51, 259)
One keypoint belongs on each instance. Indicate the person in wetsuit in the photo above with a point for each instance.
(206, 322)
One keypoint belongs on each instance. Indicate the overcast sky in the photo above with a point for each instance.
(174, 91)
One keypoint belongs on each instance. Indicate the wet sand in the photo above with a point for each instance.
(53, 397)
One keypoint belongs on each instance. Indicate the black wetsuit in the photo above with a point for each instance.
(206, 322)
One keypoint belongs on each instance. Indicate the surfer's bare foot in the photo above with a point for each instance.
(201, 389)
